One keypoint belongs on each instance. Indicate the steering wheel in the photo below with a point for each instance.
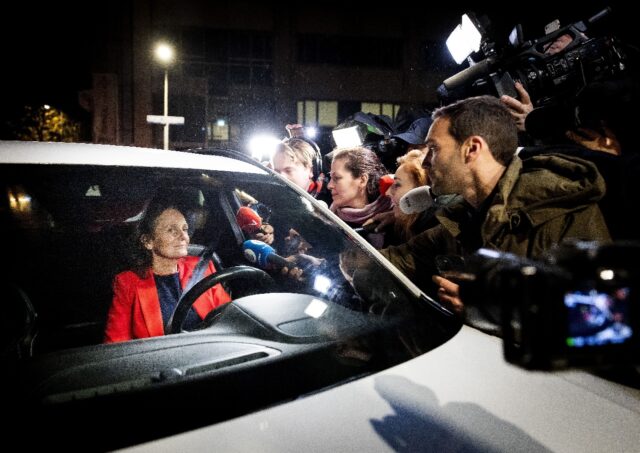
(233, 273)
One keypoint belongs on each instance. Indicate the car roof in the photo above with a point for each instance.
(15, 152)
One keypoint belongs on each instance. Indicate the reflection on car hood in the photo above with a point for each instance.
(461, 397)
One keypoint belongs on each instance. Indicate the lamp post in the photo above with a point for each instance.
(164, 54)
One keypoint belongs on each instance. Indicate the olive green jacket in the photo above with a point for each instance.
(539, 202)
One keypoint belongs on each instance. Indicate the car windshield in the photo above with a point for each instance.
(69, 231)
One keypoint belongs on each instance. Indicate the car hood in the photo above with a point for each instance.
(461, 396)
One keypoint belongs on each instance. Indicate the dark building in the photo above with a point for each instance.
(244, 67)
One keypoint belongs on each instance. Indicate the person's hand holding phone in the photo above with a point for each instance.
(450, 268)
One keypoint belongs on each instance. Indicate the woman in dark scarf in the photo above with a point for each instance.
(355, 188)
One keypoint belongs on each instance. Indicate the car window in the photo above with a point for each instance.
(68, 232)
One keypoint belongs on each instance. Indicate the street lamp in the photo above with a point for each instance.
(165, 55)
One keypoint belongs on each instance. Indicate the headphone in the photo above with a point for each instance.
(316, 160)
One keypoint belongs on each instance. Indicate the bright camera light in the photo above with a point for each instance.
(322, 284)
(220, 122)
(607, 274)
(347, 137)
(310, 132)
(262, 147)
(464, 40)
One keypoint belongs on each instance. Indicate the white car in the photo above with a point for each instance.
(349, 358)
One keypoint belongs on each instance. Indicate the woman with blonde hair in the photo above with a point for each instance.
(409, 175)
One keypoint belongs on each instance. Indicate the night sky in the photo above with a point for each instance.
(48, 49)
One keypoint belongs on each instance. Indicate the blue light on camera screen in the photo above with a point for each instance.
(597, 318)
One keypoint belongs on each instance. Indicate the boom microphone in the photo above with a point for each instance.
(257, 252)
(248, 220)
(416, 200)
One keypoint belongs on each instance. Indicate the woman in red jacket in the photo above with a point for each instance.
(144, 298)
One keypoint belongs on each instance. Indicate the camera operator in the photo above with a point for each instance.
(522, 107)
(523, 206)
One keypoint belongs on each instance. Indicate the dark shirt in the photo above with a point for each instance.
(169, 291)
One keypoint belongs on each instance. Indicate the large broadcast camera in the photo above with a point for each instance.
(577, 307)
(549, 77)
(370, 131)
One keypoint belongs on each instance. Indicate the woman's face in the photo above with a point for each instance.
(347, 191)
(170, 236)
(402, 183)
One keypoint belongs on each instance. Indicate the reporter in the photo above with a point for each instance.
(297, 160)
(355, 188)
(519, 206)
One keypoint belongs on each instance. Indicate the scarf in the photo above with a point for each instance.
(358, 216)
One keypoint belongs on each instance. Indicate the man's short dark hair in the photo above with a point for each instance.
(487, 117)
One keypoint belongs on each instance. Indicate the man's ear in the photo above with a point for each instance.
(472, 147)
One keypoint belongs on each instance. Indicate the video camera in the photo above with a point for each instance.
(577, 307)
(370, 131)
(548, 78)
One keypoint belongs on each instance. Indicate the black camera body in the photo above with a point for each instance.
(375, 133)
(578, 307)
(549, 79)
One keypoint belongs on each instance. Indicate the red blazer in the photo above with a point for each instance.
(135, 310)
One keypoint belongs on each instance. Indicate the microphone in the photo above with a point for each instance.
(416, 200)
(257, 252)
(385, 182)
(248, 220)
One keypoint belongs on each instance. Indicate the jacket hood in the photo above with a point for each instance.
(548, 186)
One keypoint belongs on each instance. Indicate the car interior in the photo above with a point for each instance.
(68, 232)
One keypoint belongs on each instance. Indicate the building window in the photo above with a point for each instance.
(380, 108)
(318, 113)
(218, 130)
(368, 51)
(228, 57)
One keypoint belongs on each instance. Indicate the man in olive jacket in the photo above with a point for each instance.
(512, 205)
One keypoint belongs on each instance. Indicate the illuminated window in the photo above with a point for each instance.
(218, 130)
(380, 108)
(319, 113)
